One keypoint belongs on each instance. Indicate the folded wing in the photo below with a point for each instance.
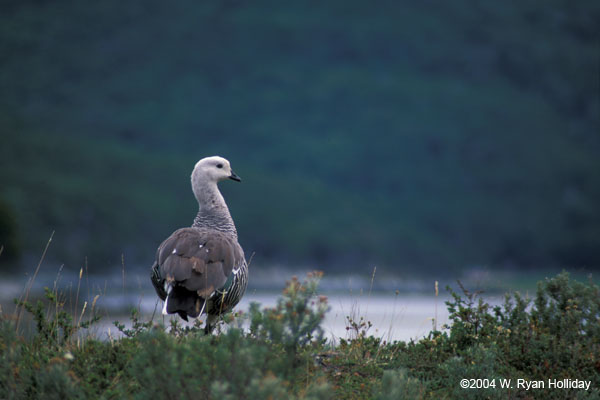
(190, 265)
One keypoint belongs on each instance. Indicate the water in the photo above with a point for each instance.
(393, 315)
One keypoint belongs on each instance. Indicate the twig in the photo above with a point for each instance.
(154, 312)
(32, 279)
(370, 288)
(82, 312)
(250, 260)
(123, 264)
(78, 286)
(436, 301)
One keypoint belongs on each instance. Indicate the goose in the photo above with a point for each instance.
(201, 269)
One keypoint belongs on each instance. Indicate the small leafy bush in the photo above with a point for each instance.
(137, 326)
(40, 367)
(397, 384)
(55, 326)
(268, 362)
(554, 336)
(295, 323)
(476, 362)
(232, 365)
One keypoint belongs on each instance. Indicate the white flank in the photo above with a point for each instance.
(202, 310)
(164, 309)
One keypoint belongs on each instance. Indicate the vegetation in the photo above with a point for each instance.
(280, 353)
(436, 135)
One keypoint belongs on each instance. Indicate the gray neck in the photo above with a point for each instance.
(213, 212)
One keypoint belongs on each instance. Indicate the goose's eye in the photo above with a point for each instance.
(219, 165)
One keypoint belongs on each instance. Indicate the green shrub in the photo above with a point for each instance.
(29, 371)
(295, 323)
(476, 362)
(267, 362)
(399, 385)
(232, 365)
(55, 326)
(555, 336)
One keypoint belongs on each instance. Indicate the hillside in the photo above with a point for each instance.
(428, 136)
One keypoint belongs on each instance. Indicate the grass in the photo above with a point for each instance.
(281, 352)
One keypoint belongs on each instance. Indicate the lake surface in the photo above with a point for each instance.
(394, 314)
(393, 317)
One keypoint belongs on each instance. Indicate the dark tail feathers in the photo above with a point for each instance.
(184, 302)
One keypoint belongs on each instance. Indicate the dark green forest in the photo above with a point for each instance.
(415, 136)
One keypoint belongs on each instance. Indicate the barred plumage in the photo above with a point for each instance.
(227, 298)
(202, 269)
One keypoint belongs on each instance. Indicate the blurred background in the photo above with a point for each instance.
(427, 139)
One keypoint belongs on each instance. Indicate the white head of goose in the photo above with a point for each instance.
(202, 269)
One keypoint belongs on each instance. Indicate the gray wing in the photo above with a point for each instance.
(199, 260)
